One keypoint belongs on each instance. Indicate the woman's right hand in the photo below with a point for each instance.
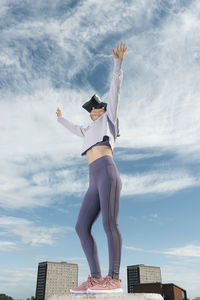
(59, 114)
(120, 51)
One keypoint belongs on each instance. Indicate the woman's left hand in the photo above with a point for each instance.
(120, 51)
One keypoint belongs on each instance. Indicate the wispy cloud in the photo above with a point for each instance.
(188, 250)
(185, 251)
(158, 119)
(16, 275)
(29, 233)
(123, 156)
(8, 246)
(58, 259)
(30, 182)
(157, 182)
(150, 217)
(33, 183)
(164, 114)
(61, 63)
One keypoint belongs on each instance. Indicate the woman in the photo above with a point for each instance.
(103, 194)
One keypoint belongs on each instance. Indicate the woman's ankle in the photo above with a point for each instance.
(97, 278)
(115, 278)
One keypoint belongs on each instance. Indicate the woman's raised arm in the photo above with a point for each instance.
(117, 76)
(76, 129)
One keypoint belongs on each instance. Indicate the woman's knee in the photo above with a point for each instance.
(78, 228)
(82, 229)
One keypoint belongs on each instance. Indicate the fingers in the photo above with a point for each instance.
(117, 48)
(122, 49)
(113, 52)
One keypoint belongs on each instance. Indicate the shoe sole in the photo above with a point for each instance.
(78, 292)
(105, 291)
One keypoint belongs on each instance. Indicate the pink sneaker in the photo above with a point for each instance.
(82, 288)
(107, 285)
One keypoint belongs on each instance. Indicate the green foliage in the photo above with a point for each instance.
(5, 297)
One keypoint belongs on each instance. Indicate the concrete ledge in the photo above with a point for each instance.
(118, 296)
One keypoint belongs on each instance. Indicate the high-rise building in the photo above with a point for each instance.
(55, 278)
(137, 274)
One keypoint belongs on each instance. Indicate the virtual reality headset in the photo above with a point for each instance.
(95, 102)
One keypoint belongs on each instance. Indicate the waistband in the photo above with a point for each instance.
(103, 160)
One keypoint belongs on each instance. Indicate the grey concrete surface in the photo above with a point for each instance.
(117, 296)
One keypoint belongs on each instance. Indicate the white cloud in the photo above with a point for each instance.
(8, 246)
(35, 179)
(159, 108)
(123, 156)
(188, 250)
(150, 217)
(158, 119)
(16, 275)
(72, 258)
(157, 182)
(164, 114)
(29, 233)
(192, 251)
(161, 79)
(81, 261)
(29, 182)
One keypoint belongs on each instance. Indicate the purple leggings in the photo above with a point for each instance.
(102, 195)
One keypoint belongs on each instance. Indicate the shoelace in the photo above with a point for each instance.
(107, 282)
(90, 281)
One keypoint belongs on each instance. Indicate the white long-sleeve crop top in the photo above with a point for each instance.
(107, 124)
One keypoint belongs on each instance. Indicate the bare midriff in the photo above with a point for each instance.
(97, 152)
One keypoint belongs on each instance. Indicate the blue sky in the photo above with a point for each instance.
(58, 53)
